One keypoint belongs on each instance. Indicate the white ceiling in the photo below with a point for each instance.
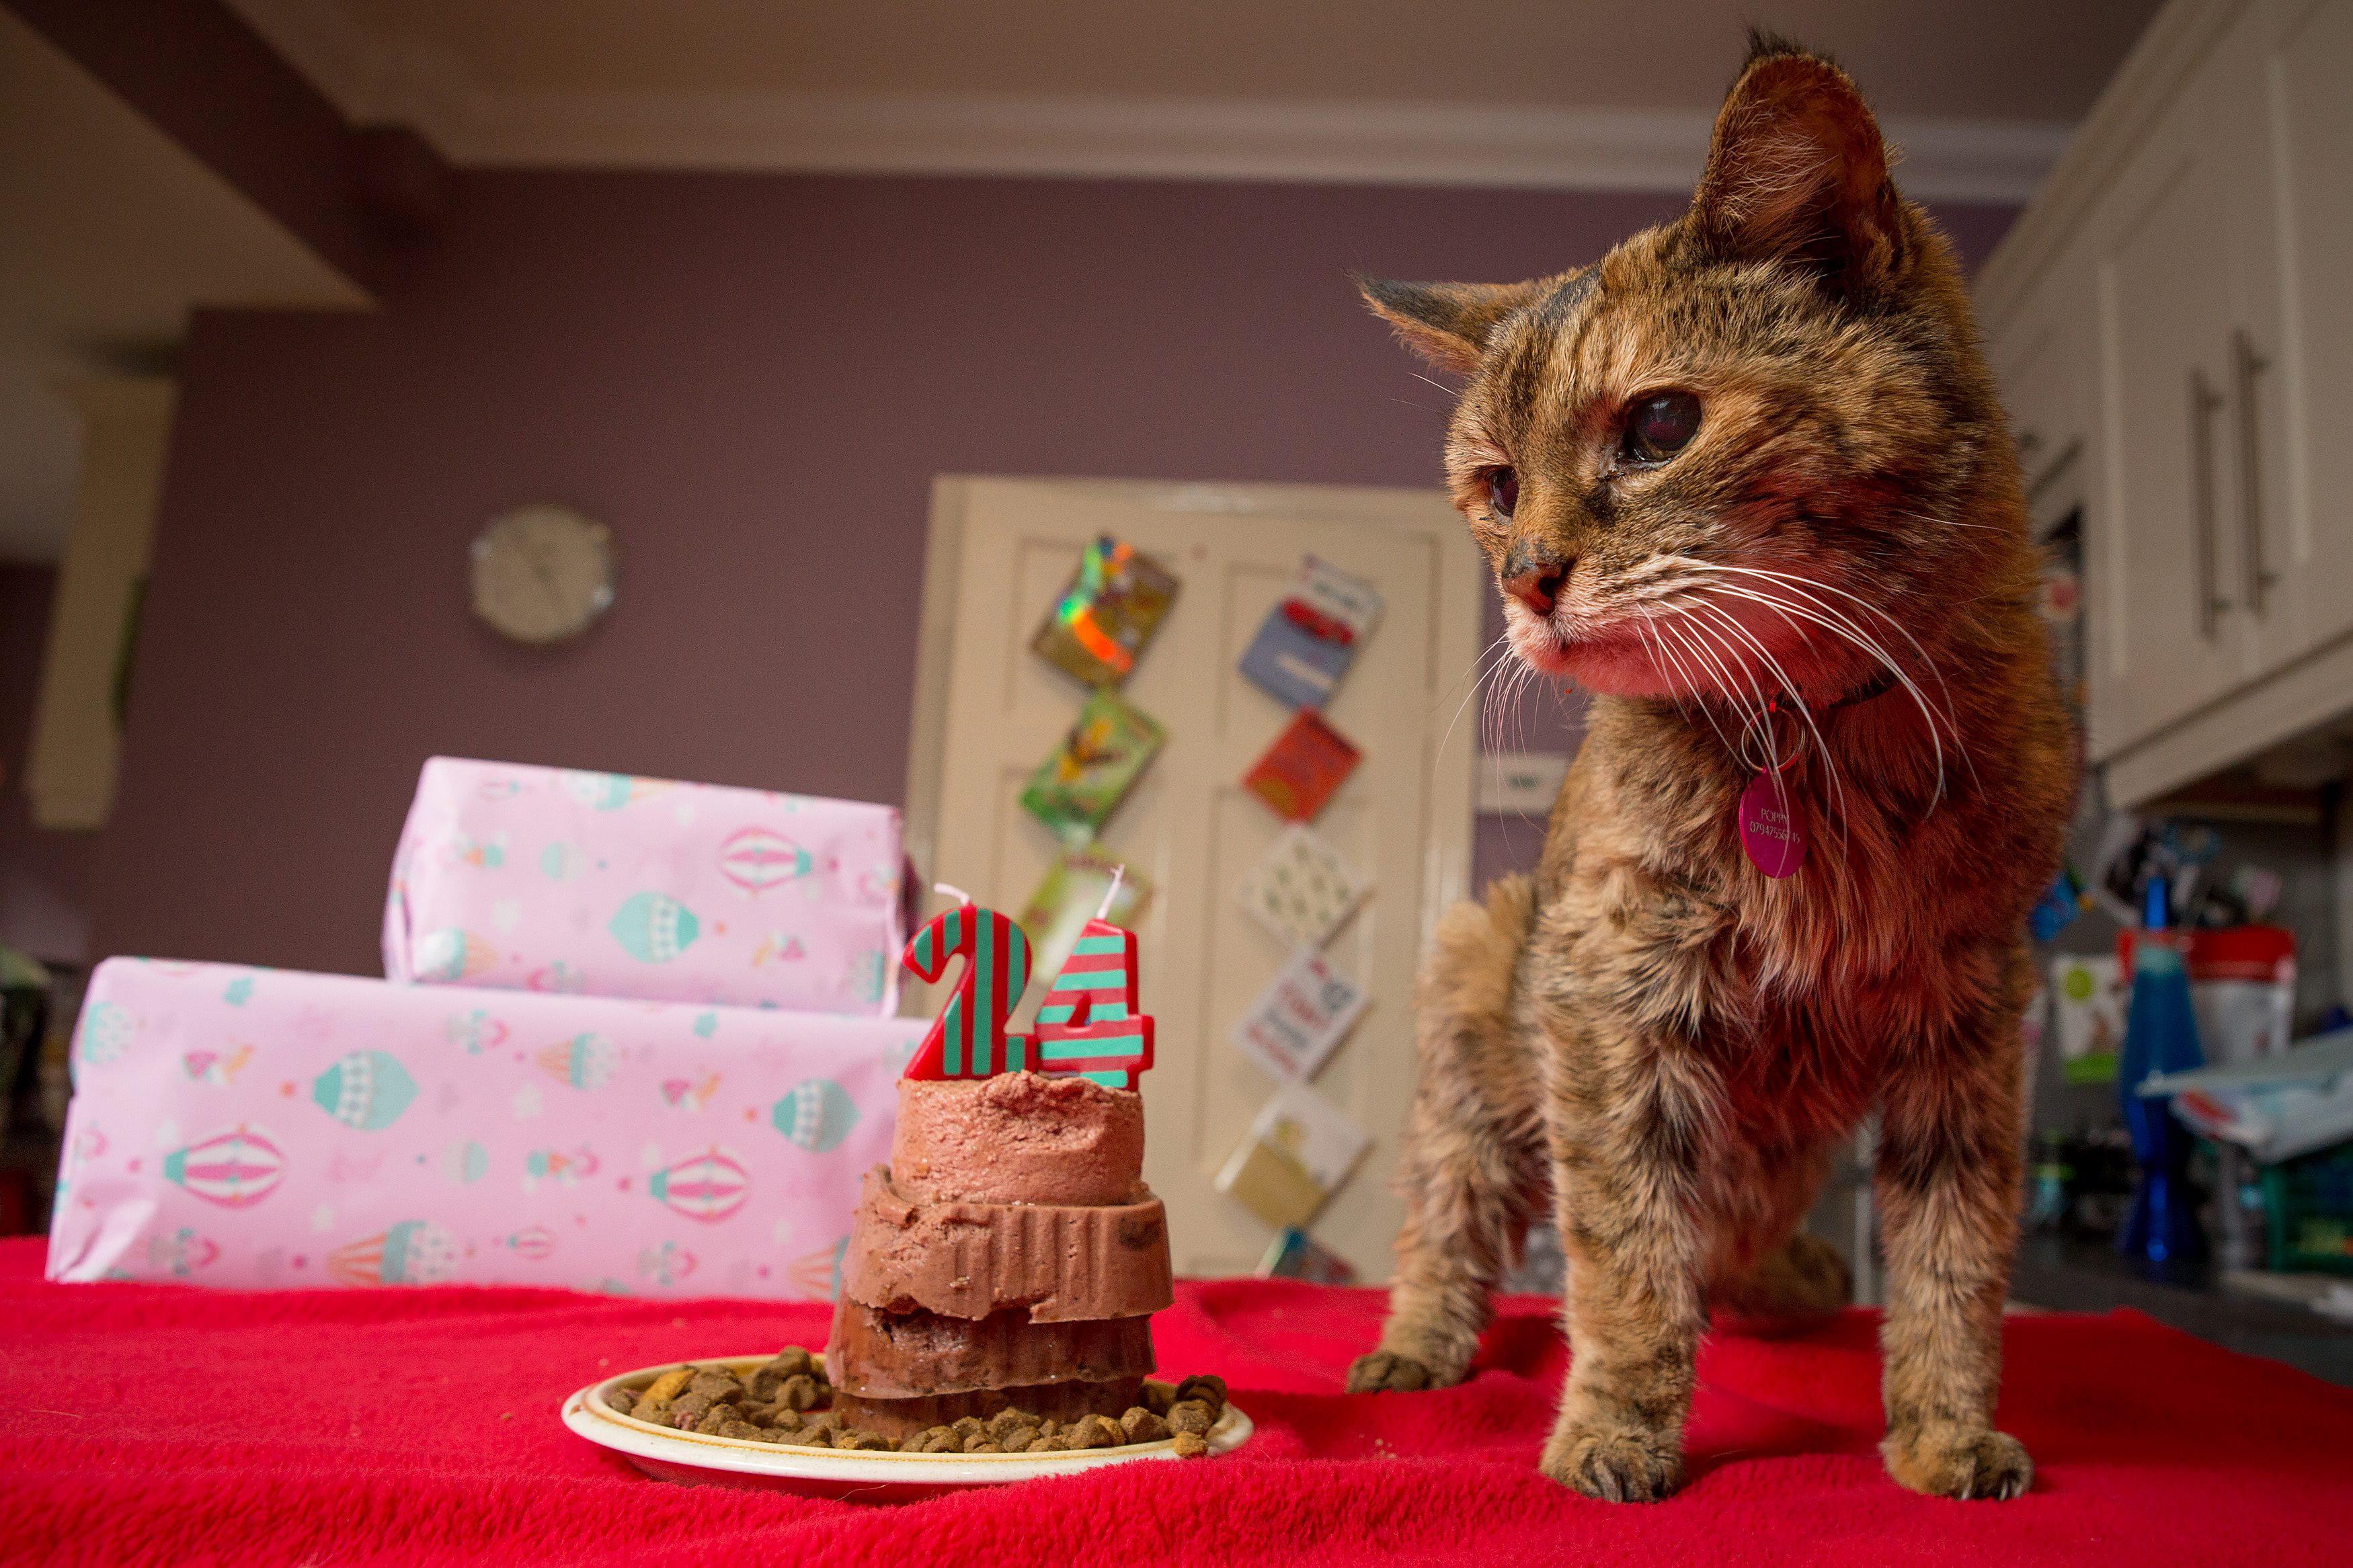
(109, 233)
(1541, 93)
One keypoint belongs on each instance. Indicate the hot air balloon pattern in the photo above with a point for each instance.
(365, 1089)
(758, 859)
(562, 860)
(180, 1253)
(816, 1115)
(867, 970)
(667, 1264)
(709, 1186)
(817, 1275)
(467, 1161)
(586, 1060)
(449, 955)
(566, 1167)
(476, 1030)
(104, 1034)
(654, 928)
(531, 1243)
(236, 1167)
(413, 1252)
(558, 977)
(607, 791)
(779, 947)
(485, 854)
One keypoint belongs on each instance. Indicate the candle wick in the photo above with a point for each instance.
(1103, 911)
(959, 894)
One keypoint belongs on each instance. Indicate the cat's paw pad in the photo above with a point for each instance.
(1386, 1371)
(1615, 1465)
(1962, 1464)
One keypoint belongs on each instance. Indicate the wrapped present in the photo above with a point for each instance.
(255, 1128)
(551, 880)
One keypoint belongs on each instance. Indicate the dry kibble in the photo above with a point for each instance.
(743, 1430)
(799, 1391)
(719, 1387)
(1191, 1445)
(692, 1404)
(814, 1437)
(791, 1362)
(967, 1426)
(1190, 1415)
(1096, 1432)
(1141, 1425)
(982, 1443)
(863, 1442)
(1021, 1441)
(655, 1411)
(1158, 1397)
(1206, 1387)
(620, 1400)
(1005, 1421)
(713, 1420)
(669, 1385)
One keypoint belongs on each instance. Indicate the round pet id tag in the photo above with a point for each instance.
(1770, 829)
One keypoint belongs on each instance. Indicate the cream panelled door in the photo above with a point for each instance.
(988, 709)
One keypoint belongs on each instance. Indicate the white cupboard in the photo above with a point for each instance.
(2166, 314)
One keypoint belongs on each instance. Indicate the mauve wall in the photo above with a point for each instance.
(753, 379)
(45, 875)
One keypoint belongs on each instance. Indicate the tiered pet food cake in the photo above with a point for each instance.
(1008, 1258)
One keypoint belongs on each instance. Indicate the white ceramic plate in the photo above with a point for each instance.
(697, 1461)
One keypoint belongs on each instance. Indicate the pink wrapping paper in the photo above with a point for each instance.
(258, 1128)
(552, 879)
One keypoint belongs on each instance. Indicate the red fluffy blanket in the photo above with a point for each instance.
(161, 1424)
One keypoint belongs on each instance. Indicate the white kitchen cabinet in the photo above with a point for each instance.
(2301, 323)
(2168, 314)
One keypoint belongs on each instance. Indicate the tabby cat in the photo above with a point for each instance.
(1747, 482)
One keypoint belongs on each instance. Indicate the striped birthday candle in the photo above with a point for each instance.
(969, 1039)
(1089, 1027)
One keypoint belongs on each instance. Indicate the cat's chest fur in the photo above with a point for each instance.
(1797, 993)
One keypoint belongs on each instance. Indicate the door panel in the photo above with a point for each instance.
(1403, 819)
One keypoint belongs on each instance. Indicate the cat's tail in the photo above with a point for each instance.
(1466, 983)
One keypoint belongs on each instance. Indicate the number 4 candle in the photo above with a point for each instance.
(1089, 1027)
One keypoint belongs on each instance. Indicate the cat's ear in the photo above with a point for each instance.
(1446, 323)
(1797, 173)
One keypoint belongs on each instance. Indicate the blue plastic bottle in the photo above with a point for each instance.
(2162, 1236)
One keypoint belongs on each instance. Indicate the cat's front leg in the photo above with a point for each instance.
(1947, 1177)
(1626, 1128)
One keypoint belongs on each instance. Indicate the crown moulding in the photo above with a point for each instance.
(1527, 146)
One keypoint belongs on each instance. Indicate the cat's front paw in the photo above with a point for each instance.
(1959, 1462)
(1615, 1465)
(1386, 1371)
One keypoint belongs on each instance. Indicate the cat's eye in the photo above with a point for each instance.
(1504, 491)
(1659, 426)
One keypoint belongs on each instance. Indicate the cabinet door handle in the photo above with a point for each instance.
(2245, 364)
(2203, 401)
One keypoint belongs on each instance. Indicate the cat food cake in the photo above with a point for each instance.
(1002, 1269)
(1009, 1257)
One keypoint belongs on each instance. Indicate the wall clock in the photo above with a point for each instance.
(542, 574)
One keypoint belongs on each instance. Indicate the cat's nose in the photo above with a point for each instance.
(1534, 579)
